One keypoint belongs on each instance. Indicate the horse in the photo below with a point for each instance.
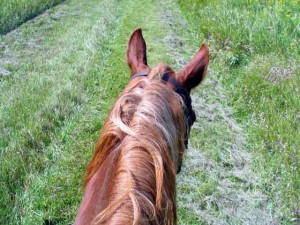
(131, 176)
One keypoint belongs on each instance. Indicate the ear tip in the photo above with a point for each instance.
(136, 34)
(137, 30)
(204, 47)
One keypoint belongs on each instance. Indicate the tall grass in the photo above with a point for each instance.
(15, 12)
(256, 56)
(250, 26)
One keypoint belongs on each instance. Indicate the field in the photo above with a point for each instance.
(62, 71)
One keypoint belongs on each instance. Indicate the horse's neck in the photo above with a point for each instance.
(111, 182)
(97, 192)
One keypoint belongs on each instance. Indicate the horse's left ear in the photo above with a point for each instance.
(194, 72)
(136, 52)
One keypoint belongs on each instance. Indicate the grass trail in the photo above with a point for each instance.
(67, 67)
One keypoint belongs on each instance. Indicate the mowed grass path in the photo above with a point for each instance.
(67, 68)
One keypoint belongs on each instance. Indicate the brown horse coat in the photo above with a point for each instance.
(131, 177)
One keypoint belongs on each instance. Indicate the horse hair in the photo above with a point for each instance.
(145, 129)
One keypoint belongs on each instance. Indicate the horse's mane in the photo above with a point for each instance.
(145, 128)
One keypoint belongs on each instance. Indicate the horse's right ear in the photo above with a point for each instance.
(194, 72)
(136, 52)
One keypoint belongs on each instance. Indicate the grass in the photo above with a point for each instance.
(40, 135)
(15, 12)
(64, 79)
(255, 56)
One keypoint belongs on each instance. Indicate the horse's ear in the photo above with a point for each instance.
(136, 52)
(194, 72)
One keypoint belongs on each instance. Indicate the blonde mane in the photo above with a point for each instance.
(145, 129)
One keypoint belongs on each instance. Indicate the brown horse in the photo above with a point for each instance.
(131, 177)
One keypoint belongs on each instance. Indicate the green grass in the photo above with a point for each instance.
(256, 57)
(67, 69)
(15, 12)
(50, 110)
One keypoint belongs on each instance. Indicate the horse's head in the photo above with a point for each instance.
(131, 177)
(180, 83)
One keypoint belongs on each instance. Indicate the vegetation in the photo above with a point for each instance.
(15, 12)
(63, 72)
(256, 58)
